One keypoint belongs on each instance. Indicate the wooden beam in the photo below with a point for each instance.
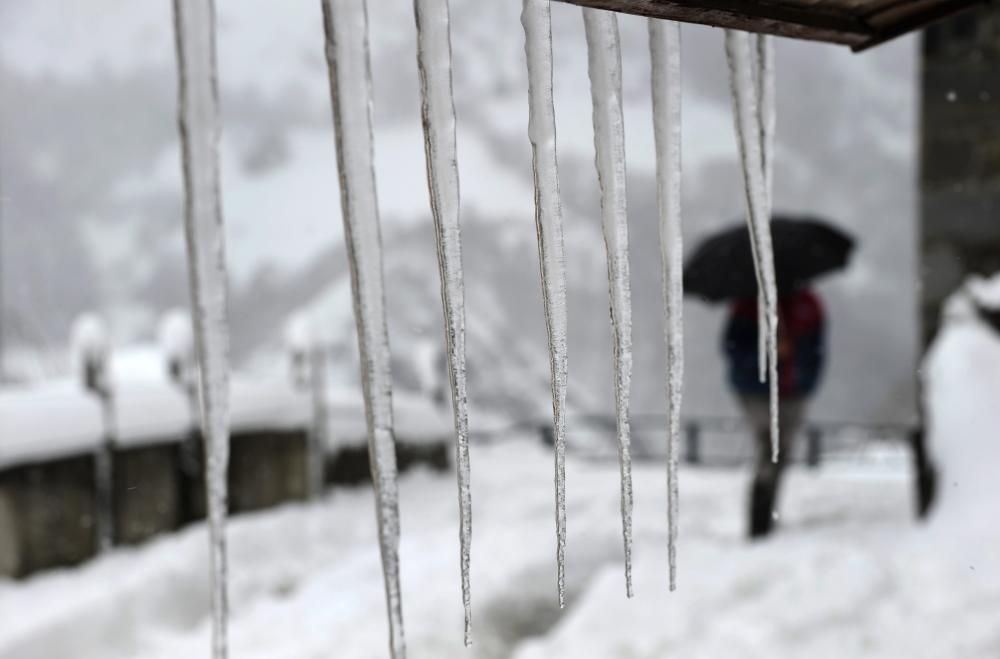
(859, 24)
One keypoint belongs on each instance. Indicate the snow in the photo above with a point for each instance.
(417, 421)
(88, 341)
(176, 336)
(438, 113)
(59, 418)
(48, 422)
(605, 67)
(665, 54)
(962, 378)
(848, 575)
(536, 19)
(346, 26)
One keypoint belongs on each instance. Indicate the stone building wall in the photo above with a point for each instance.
(960, 161)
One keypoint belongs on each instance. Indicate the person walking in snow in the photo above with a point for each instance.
(801, 356)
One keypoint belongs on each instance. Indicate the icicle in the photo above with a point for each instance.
(665, 53)
(199, 128)
(537, 21)
(748, 131)
(438, 106)
(605, 68)
(346, 26)
(767, 119)
(766, 116)
(764, 76)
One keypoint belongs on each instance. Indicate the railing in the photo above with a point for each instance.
(707, 440)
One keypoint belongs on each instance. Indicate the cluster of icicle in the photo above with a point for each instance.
(347, 50)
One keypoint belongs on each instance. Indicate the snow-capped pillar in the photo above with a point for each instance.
(307, 362)
(91, 353)
(176, 340)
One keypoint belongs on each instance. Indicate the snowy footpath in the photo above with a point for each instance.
(848, 575)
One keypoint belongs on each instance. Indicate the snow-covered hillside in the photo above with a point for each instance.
(92, 160)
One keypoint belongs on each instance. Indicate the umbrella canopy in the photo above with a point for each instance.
(805, 248)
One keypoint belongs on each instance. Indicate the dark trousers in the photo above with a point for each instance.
(767, 473)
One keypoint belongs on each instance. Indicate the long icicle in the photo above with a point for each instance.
(665, 53)
(346, 27)
(605, 68)
(748, 131)
(438, 111)
(194, 22)
(764, 77)
(537, 21)
(767, 120)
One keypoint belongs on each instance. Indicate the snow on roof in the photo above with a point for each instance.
(416, 419)
(50, 421)
(60, 418)
(267, 404)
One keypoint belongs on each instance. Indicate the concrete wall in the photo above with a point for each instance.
(960, 163)
(146, 493)
(48, 509)
(48, 515)
(349, 465)
(266, 469)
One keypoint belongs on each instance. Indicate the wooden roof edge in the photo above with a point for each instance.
(828, 23)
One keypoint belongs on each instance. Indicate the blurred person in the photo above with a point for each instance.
(801, 356)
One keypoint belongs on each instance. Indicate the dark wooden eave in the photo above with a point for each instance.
(859, 24)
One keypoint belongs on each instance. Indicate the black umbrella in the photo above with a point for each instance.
(805, 248)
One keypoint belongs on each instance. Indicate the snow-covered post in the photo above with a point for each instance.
(194, 22)
(665, 54)
(177, 344)
(90, 353)
(307, 358)
(345, 23)
(605, 69)
(536, 18)
(440, 146)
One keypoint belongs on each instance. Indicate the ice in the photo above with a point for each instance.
(346, 27)
(200, 129)
(665, 53)
(746, 110)
(766, 117)
(438, 112)
(605, 69)
(537, 21)
(88, 340)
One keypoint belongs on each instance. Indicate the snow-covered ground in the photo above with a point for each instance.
(849, 575)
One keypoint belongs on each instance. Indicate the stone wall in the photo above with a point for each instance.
(960, 163)
(146, 493)
(49, 515)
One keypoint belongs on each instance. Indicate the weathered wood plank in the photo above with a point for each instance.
(859, 24)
